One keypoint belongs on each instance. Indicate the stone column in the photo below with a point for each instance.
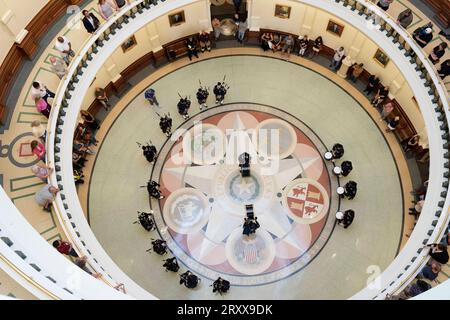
(308, 21)
(153, 35)
(205, 24)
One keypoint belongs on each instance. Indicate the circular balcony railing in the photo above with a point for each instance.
(430, 93)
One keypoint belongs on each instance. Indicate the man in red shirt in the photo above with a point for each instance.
(64, 248)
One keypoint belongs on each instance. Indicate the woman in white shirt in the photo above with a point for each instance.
(107, 8)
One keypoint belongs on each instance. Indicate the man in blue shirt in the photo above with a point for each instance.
(150, 95)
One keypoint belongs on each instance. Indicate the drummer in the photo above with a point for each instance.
(346, 168)
(337, 151)
(350, 189)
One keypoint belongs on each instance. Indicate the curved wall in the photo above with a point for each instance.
(393, 279)
(14, 20)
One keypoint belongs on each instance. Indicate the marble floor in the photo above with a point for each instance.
(340, 267)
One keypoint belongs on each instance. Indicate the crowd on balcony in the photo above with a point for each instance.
(427, 277)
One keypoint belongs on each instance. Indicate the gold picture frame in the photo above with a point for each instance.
(381, 58)
(282, 11)
(177, 18)
(335, 28)
(129, 44)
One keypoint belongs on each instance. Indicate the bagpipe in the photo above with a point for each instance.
(224, 85)
(146, 220)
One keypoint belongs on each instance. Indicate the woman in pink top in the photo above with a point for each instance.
(43, 107)
(38, 149)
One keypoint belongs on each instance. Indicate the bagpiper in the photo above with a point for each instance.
(220, 90)
(202, 96)
(183, 107)
(165, 123)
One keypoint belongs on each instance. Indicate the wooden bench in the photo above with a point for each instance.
(177, 49)
(326, 51)
(96, 106)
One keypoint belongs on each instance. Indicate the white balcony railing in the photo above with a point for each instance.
(27, 258)
(395, 41)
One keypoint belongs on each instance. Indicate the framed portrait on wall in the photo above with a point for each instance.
(283, 12)
(335, 28)
(381, 57)
(176, 18)
(129, 44)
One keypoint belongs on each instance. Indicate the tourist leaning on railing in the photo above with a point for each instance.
(405, 18)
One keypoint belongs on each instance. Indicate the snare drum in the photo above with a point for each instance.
(337, 171)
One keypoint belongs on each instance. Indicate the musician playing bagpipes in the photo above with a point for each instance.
(189, 279)
(337, 151)
(221, 286)
(165, 123)
(202, 96)
(183, 107)
(149, 151)
(220, 90)
(159, 246)
(171, 265)
(146, 220)
(153, 190)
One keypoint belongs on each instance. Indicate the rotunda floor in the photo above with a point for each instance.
(299, 253)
